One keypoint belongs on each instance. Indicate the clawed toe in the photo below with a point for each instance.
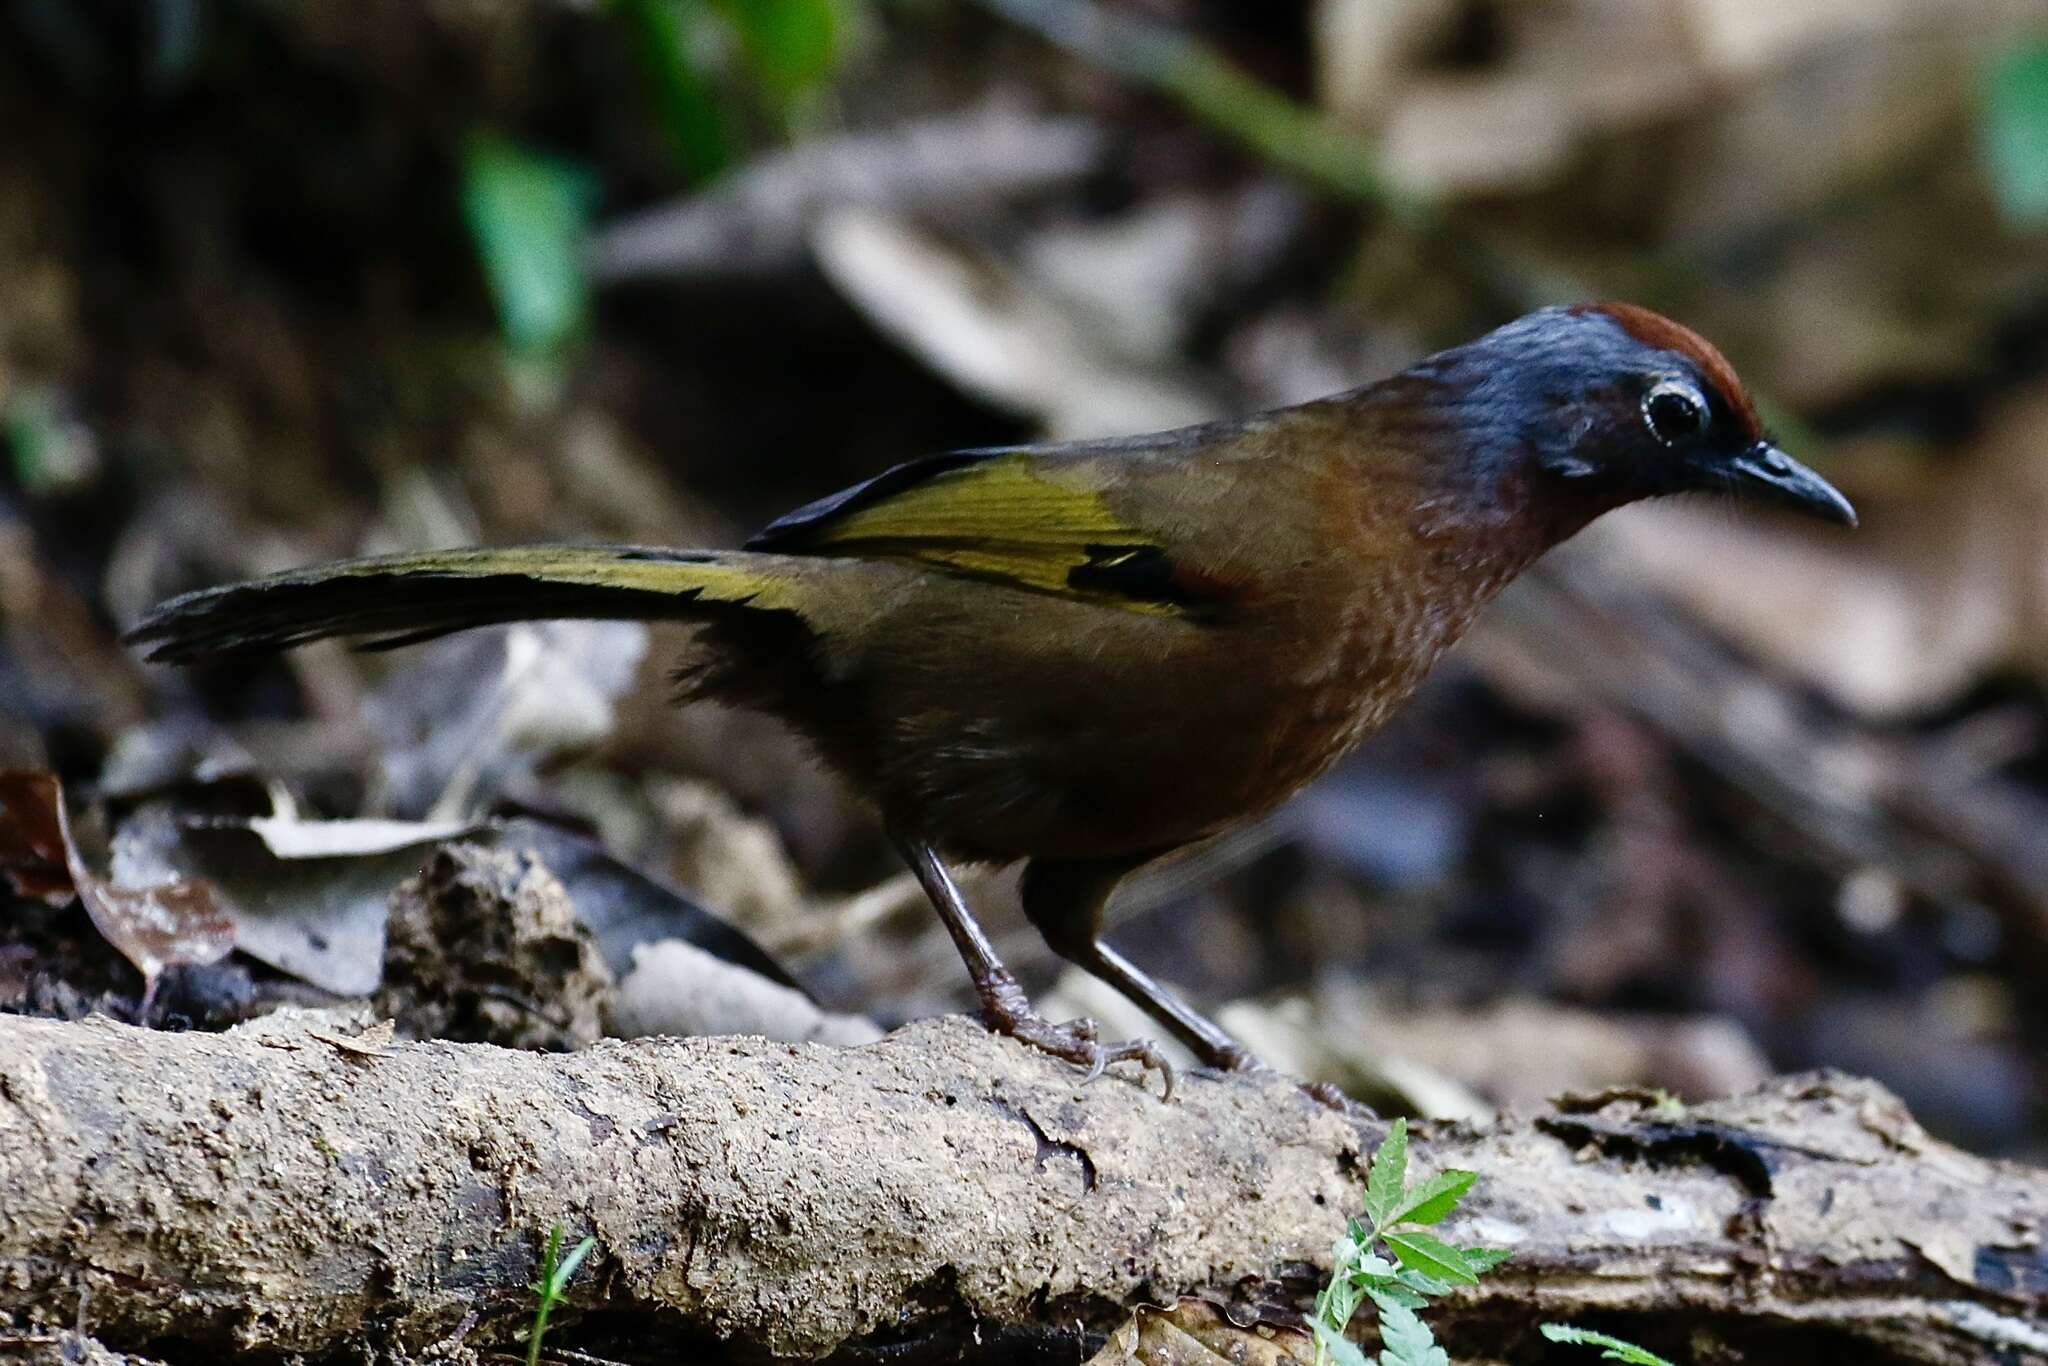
(1076, 1042)
(1331, 1096)
(1141, 1051)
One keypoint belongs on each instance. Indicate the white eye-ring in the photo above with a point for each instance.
(1675, 411)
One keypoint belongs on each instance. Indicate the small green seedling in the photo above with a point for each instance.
(1665, 1106)
(555, 1271)
(1615, 1349)
(1416, 1267)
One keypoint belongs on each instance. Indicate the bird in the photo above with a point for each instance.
(1086, 656)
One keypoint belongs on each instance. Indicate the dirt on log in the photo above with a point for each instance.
(281, 1188)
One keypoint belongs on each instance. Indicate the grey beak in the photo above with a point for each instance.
(1768, 475)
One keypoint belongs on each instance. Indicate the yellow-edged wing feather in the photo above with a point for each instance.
(1004, 515)
(397, 599)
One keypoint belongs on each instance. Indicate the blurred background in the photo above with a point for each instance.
(1705, 798)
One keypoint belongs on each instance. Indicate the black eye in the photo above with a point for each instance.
(1674, 411)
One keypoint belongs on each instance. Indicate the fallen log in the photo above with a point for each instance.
(281, 1188)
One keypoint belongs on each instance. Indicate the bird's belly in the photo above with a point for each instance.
(1141, 737)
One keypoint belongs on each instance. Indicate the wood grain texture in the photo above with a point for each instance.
(265, 1190)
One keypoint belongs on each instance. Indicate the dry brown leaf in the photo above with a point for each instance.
(31, 841)
(154, 925)
(158, 927)
(373, 1042)
(1194, 1333)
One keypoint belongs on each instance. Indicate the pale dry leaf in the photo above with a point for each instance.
(289, 837)
(1137, 283)
(982, 325)
(1468, 137)
(1954, 1252)
(754, 219)
(1194, 1333)
(1854, 77)
(1295, 1035)
(677, 988)
(307, 897)
(1515, 123)
(373, 1042)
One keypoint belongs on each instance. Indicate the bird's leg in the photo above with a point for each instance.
(1003, 1002)
(1065, 900)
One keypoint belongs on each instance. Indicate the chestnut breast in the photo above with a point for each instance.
(1014, 724)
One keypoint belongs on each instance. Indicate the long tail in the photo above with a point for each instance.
(397, 600)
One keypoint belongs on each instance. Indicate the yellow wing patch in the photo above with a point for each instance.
(1002, 518)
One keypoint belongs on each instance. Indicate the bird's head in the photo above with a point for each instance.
(1596, 405)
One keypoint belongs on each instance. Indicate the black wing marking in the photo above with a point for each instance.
(793, 530)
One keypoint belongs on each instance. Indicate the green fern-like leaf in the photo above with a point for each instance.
(1332, 1346)
(1389, 1174)
(1613, 1348)
(1433, 1257)
(1405, 1340)
(1429, 1202)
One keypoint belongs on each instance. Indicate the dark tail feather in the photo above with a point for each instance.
(402, 599)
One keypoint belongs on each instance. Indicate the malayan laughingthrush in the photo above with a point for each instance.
(1088, 655)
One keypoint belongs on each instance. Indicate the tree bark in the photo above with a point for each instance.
(281, 1189)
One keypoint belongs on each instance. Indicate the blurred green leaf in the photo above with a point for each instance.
(791, 45)
(28, 425)
(1389, 1173)
(2016, 132)
(669, 39)
(1485, 1259)
(1429, 1202)
(528, 214)
(1432, 1257)
(51, 452)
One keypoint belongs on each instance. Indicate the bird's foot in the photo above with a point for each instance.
(1237, 1058)
(1234, 1058)
(1331, 1097)
(1076, 1042)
